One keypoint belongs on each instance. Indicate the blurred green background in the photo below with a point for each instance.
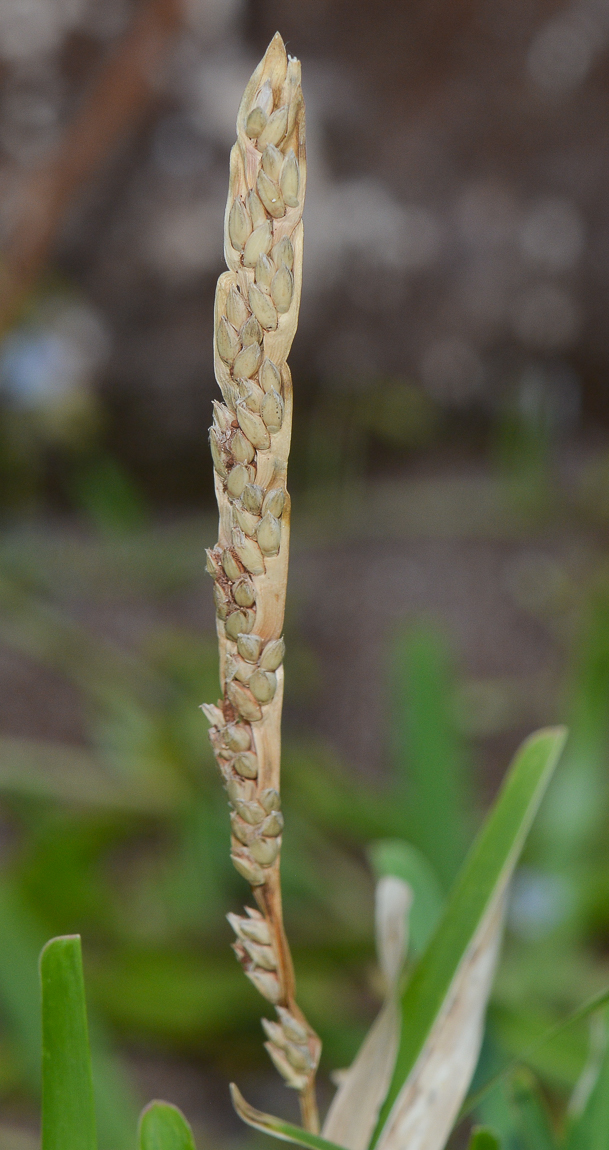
(449, 587)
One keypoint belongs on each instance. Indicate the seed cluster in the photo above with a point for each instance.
(256, 312)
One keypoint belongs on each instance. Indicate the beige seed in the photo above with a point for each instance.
(212, 563)
(222, 416)
(245, 520)
(263, 956)
(263, 685)
(274, 502)
(239, 669)
(273, 825)
(299, 1056)
(243, 451)
(254, 874)
(235, 624)
(244, 594)
(239, 225)
(236, 737)
(273, 655)
(255, 928)
(270, 195)
(250, 555)
(221, 602)
(269, 376)
(246, 765)
(263, 308)
(216, 454)
(265, 851)
(240, 790)
(255, 123)
(282, 289)
(274, 129)
(290, 180)
(270, 799)
(248, 647)
(272, 162)
(237, 479)
(265, 270)
(280, 1061)
(253, 427)
(251, 332)
(292, 1029)
(251, 394)
(236, 308)
(268, 534)
(241, 830)
(252, 497)
(271, 410)
(258, 244)
(256, 210)
(232, 569)
(283, 253)
(244, 702)
(252, 812)
(267, 984)
(248, 360)
(227, 341)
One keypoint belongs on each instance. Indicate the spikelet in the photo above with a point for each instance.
(256, 312)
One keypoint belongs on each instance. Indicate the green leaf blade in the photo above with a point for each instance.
(474, 898)
(68, 1115)
(276, 1127)
(483, 1138)
(164, 1127)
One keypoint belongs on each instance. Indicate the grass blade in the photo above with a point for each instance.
(68, 1115)
(582, 1012)
(428, 752)
(590, 1129)
(457, 966)
(164, 1127)
(276, 1127)
(483, 1138)
(533, 1123)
